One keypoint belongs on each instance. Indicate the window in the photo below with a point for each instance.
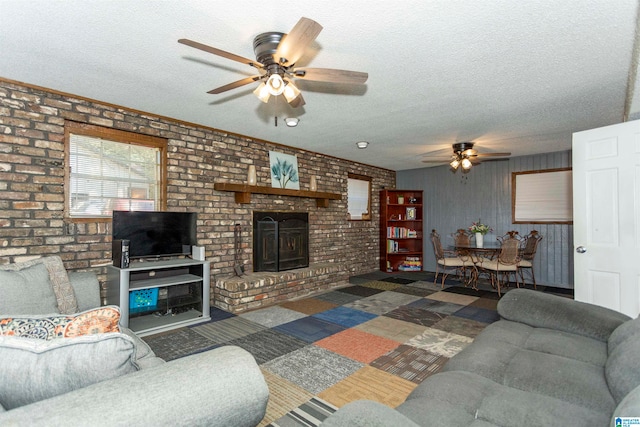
(541, 197)
(359, 197)
(109, 170)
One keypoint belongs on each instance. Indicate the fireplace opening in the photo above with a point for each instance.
(280, 241)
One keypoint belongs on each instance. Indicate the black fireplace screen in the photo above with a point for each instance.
(280, 241)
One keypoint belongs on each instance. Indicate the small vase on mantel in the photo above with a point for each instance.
(479, 240)
(251, 175)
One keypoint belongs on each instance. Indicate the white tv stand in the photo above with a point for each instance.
(183, 294)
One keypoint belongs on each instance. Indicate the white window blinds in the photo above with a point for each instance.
(108, 175)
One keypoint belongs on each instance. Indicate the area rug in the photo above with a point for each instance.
(376, 339)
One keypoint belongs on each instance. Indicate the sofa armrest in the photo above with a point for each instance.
(541, 310)
(220, 387)
(86, 288)
(367, 413)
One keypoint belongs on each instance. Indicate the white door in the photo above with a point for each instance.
(606, 216)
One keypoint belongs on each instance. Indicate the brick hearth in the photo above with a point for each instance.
(254, 290)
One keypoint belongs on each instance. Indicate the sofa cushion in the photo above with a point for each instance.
(27, 291)
(58, 282)
(95, 321)
(628, 329)
(464, 398)
(622, 370)
(557, 364)
(33, 369)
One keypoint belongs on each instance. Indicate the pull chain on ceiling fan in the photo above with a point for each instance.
(276, 55)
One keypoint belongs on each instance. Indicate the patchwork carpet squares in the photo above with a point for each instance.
(376, 339)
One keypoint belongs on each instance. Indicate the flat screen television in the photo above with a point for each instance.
(155, 234)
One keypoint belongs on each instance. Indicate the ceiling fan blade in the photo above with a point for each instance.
(492, 154)
(330, 75)
(292, 45)
(298, 101)
(443, 160)
(235, 84)
(219, 52)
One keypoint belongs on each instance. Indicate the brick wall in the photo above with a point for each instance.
(32, 223)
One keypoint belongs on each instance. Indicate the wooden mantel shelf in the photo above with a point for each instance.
(243, 193)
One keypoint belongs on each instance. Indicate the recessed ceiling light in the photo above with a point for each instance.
(362, 144)
(292, 121)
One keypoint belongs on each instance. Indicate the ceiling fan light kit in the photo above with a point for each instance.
(292, 121)
(276, 55)
(464, 155)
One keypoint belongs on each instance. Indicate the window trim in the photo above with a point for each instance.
(354, 176)
(117, 136)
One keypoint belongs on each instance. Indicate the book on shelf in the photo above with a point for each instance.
(401, 233)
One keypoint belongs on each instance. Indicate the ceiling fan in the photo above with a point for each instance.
(464, 155)
(276, 55)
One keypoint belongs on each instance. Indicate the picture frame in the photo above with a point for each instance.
(284, 170)
(411, 214)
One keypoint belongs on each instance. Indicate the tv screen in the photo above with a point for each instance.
(155, 234)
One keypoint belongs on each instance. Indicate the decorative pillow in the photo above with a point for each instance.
(33, 370)
(58, 281)
(27, 291)
(95, 321)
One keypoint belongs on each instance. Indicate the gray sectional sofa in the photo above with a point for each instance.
(111, 378)
(549, 361)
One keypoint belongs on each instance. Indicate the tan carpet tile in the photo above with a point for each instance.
(309, 306)
(439, 342)
(394, 329)
(385, 286)
(284, 396)
(452, 298)
(369, 383)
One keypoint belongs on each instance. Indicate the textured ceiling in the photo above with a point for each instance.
(511, 76)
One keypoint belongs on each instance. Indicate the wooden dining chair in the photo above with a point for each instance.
(448, 262)
(528, 254)
(506, 263)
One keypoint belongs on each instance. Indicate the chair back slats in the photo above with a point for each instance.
(531, 241)
(509, 249)
(462, 237)
(437, 245)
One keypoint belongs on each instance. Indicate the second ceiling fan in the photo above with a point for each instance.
(276, 55)
(465, 156)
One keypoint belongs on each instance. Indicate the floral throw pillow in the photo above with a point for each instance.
(95, 321)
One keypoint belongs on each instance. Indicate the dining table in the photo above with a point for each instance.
(477, 254)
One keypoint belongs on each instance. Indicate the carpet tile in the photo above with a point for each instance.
(415, 315)
(272, 316)
(345, 316)
(361, 291)
(309, 329)
(477, 313)
(338, 298)
(382, 285)
(268, 344)
(377, 338)
(439, 342)
(313, 368)
(369, 383)
(410, 363)
(227, 329)
(308, 306)
(393, 329)
(358, 345)
(310, 414)
(179, 343)
(436, 306)
(452, 297)
(283, 395)
(461, 326)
